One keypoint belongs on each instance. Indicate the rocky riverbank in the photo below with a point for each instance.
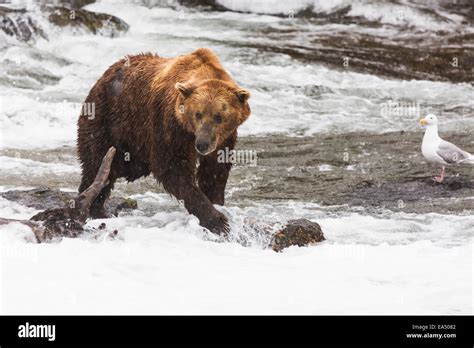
(356, 171)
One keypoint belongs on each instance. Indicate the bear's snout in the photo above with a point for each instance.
(202, 147)
(205, 139)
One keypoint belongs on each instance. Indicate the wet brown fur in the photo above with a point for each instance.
(145, 107)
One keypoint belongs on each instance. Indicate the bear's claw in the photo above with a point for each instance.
(217, 223)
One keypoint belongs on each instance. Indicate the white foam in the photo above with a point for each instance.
(282, 7)
(165, 264)
(403, 14)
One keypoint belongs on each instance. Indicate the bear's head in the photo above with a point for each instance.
(211, 110)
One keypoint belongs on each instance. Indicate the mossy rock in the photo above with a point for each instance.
(96, 23)
(301, 232)
(126, 204)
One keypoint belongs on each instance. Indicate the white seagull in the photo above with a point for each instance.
(441, 151)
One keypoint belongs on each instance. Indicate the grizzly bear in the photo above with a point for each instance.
(164, 116)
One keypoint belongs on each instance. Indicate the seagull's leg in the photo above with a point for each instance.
(440, 178)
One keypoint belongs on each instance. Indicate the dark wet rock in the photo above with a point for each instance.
(403, 58)
(211, 5)
(301, 232)
(43, 198)
(338, 15)
(414, 196)
(18, 23)
(38, 198)
(57, 224)
(96, 23)
(127, 205)
(73, 4)
(455, 183)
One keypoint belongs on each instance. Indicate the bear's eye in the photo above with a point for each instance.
(217, 118)
(198, 115)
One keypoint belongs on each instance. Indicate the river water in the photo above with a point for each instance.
(316, 70)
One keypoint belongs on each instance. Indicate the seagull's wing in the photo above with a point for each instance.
(451, 153)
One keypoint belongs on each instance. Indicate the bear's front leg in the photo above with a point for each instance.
(180, 183)
(214, 171)
(212, 178)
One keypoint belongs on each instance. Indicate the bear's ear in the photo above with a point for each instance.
(243, 95)
(184, 88)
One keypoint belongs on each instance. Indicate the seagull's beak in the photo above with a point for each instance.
(423, 122)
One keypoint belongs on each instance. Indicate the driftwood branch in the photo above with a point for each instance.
(85, 199)
(69, 220)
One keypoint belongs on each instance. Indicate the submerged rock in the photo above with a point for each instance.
(43, 198)
(126, 204)
(301, 232)
(211, 5)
